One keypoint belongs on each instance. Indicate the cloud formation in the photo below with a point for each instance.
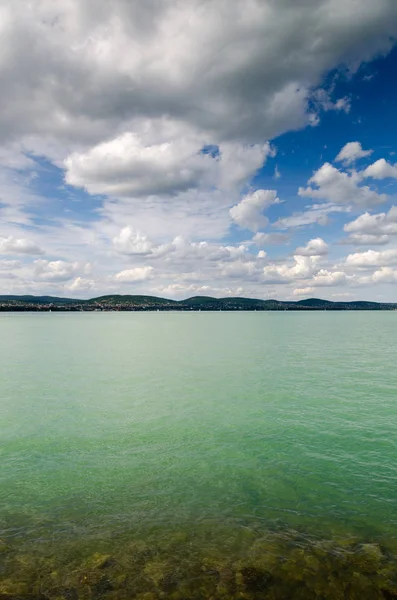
(58, 270)
(380, 170)
(315, 247)
(351, 152)
(85, 69)
(13, 245)
(134, 135)
(249, 212)
(136, 274)
(378, 226)
(338, 187)
(372, 258)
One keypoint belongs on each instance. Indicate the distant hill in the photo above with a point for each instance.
(314, 302)
(115, 299)
(196, 303)
(39, 299)
(199, 300)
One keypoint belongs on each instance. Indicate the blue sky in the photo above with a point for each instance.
(165, 149)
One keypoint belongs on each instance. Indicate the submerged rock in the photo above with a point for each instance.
(282, 565)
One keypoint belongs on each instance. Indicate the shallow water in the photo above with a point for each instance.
(197, 434)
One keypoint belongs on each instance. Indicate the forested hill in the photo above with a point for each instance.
(197, 303)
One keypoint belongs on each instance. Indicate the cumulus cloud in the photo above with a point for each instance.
(13, 245)
(335, 186)
(179, 250)
(372, 258)
(58, 270)
(184, 249)
(325, 278)
(306, 291)
(381, 169)
(241, 270)
(80, 285)
(127, 166)
(303, 267)
(385, 275)
(134, 275)
(249, 212)
(351, 152)
(315, 247)
(132, 242)
(379, 224)
(163, 110)
(79, 70)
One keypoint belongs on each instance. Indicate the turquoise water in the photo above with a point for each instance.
(133, 425)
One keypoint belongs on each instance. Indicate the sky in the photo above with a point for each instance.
(199, 147)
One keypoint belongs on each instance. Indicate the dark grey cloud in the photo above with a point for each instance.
(84, 70)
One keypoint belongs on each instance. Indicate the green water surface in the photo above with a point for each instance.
(121, 425)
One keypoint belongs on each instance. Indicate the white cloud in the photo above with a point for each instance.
(381, 169)
(179, 249)
(339, 187)
(126, 166)
(315, 247)
(165, 107)
(241, 270)
(378, 224)
(80, 285)
(132, 242)
(306, 291)
(303, 267)
(249, 212)
(58, 270)
(237, 163)
(197, 214)
(372, 258)
(351, 152)
(366, 239)
(385, 275)
(13, 245)
(325, 278)
(316, 214)
(180, 290)
(136, 274)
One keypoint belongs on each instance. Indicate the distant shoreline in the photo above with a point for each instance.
(136, 303)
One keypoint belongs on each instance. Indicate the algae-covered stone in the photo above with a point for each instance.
(98, 561)
(11, 588)
(372, 553)
(156, 571)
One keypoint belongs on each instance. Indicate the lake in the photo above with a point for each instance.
(200, 451)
